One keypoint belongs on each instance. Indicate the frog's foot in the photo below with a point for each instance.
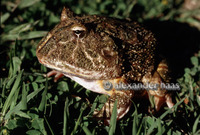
(161, 95)
(123, 105)
(159, 101)
(56, 74)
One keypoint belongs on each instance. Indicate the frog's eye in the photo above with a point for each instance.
(79, 31)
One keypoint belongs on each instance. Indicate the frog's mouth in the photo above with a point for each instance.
(72, 70)
(68, 72)
(93, 84)
(62, 68)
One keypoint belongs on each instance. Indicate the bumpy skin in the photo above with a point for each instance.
(93, 49)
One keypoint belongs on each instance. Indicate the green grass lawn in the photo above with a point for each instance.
(32, 104)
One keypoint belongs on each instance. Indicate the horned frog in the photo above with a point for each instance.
(92, 50)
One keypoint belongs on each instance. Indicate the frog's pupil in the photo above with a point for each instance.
(78, 32)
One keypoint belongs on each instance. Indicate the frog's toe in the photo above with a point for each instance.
(169, 102)
(159, 101)
(56, 74)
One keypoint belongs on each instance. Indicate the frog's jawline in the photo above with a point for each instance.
(68, 74)
(90, 84)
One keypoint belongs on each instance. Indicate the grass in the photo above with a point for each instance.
(33, 104)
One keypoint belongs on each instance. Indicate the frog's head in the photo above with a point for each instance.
(95, 47)
(77, 46)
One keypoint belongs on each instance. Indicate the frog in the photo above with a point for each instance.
(97, 52)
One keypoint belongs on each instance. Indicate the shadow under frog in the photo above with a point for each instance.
(178, 42)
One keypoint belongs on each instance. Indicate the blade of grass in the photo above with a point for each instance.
(24, 97)
(79, 119)
(153, 125)
(27, 3)
(10, 82)
(19, 105)
(4, 88)
(44, 94)
(51, 130)
(14, 88)
(22, 114)
(4, 17)
(14, 99)
(158, 121)
(140, 128)
(170, 110)
(113, 120)
(129, 8)
(65, 117)
(16, 65)
(194, 129)
(93, 106)
(32, 34)
(134, 130)
(86, 130)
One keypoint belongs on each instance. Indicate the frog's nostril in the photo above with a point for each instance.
(106, 53)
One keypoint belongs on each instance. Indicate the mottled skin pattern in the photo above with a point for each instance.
(93, 49)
